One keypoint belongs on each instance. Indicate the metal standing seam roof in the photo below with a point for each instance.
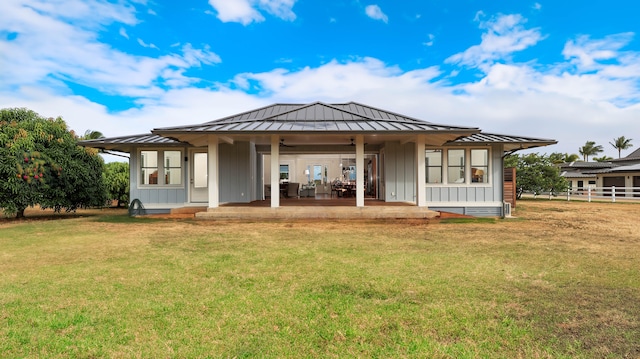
(123, 141)
(496, 138)
(315, 117)
(510, 142)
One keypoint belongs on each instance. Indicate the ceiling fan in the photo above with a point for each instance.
(353, 143)
(282, 144)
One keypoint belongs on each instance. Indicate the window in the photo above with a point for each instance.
(149, 167)
(317, 175)
(172, 167)
(284, 172)
(166, 163)
(433, 163)
(480, 166)
(455, 166)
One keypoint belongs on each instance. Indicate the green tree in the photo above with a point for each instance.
(536, 173)
(116, 178)
(41, 164)
(590, 149)
(621, 143)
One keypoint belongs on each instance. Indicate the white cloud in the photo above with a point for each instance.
(374, 12)
(594, 94)
(537, 6)
(504, 35)
(247, 11)
(282, 9)
(144, 44)
(429, 41)
(123, 33)
(513, 99)
(585, 52)
(240, 11)
(50, 48)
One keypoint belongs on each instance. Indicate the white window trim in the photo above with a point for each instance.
(467, 167)
(161, 168)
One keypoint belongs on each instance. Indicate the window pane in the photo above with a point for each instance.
(284, 172)
(479, 157)
(434, 174)
(172, 167)
(149, 176)
(434, 157)
(455, 169)
(149, 158)
(173, 175)
(480, 166)
(433, 164)
(172, 159)
(317, 174)
(148, 167)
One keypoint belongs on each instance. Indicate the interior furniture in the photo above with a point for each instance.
(293, 190)
(308, 191)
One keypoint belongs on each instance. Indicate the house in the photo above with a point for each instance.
(581, 175)
(373, 155)
(622, 173)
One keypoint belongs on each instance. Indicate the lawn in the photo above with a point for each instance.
(562, 280)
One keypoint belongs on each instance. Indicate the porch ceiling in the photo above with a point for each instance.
(319, 139)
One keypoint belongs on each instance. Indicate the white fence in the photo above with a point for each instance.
(612, 194)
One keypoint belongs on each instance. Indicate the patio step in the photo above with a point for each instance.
(301, 212)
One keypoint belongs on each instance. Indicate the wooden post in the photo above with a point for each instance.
(359, 171)
(275, 171)
(213, 175)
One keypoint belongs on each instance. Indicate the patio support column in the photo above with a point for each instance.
(213, 171)
(359, 171)
(275, 171)
(421, 191)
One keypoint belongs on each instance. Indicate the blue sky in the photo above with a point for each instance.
(568, 70)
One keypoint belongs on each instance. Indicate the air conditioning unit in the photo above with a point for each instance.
(506, 209)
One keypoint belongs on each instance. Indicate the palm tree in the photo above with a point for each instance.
(604, 158)
(568, 158)
(92, 135)
(620, 144)
(590, 149)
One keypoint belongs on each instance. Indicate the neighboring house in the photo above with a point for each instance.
(621, 173)
(385, 156)
(582, 175)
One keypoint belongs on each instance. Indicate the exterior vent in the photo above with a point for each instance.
(507, 209)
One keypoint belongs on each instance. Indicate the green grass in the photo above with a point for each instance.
(112, 286)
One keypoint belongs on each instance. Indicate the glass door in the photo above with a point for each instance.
(199, 177)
